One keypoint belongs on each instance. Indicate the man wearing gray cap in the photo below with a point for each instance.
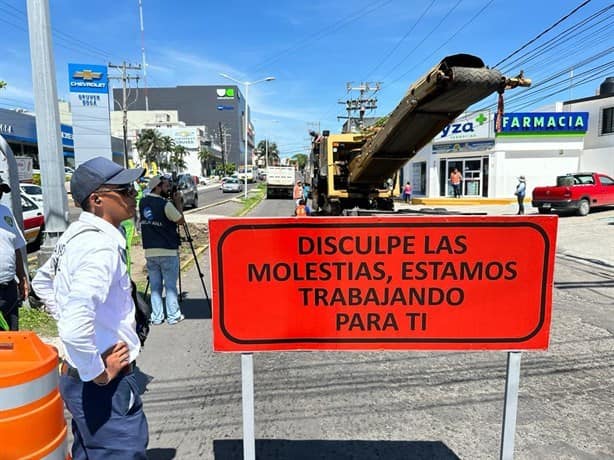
(11, 264)
(85, 284)
(159, 220)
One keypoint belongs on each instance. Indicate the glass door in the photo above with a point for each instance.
(453, 164)
(473, 172)
(472, 177)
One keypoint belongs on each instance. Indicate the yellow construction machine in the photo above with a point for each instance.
(351, 170)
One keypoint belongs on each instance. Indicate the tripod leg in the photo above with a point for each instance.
(180, 294)
(200, 273)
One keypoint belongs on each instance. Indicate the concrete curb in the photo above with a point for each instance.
(464, 201)
(197, 251)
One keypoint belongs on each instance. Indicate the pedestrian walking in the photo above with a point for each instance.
(86, 286)
(12, 265)
(521, 191)
(455, 179)
(159, 233)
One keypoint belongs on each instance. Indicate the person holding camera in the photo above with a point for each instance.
(160, 214)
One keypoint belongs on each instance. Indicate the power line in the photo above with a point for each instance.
(450, 11)
(395, 47)
(125, 79)
(541, 34)
(473, 18)
(574, 31)
(336, 26)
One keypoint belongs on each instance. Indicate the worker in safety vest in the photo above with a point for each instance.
(302, 209)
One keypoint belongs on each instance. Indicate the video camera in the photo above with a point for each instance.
(173, 185)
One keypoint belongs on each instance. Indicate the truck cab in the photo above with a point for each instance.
(331, 189)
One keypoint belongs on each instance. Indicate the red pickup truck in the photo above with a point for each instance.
(577, 192)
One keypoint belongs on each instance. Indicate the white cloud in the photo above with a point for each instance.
(196, 68)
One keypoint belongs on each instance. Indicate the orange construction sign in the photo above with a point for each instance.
(369, 283)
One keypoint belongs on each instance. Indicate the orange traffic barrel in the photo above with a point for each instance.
(32, 424)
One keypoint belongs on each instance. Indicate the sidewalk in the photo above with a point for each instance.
(588, 238)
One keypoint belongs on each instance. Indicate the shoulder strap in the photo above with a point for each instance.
(61, 253)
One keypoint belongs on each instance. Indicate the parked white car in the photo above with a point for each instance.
(33, 222)
(32, 191)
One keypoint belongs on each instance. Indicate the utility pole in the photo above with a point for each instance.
(125, 78)
(362, 104)
(223, 146)
(48, 131)
(143, 55)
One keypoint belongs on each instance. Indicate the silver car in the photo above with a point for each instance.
(232, 184)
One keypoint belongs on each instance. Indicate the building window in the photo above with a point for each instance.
(607, 126)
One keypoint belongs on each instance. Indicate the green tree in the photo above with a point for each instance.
(149, 145)
(168, 147)
(273, 152)
(229, 168)
(205, 157)
(177, 157)
(300, 159)
(2, 84)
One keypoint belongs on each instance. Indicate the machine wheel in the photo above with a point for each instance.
(331, 207)
(195, 202)
(584, 208)
(543, 210)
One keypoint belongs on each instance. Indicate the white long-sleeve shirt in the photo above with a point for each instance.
(11, 239)
(86, 287)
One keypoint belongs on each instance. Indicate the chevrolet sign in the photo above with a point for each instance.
(86, 78)
(87, 75)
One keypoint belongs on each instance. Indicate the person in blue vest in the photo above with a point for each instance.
(159, 220)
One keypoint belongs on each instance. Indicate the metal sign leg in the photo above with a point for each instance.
(510, 409)
(247, 389)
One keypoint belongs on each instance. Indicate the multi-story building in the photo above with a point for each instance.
(221, 108)
(167, 123)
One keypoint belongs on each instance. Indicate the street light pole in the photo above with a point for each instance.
(246, 136)
(247, 84)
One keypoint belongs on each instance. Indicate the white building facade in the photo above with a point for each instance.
(574, 136)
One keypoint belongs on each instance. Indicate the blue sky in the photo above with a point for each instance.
(313, 48)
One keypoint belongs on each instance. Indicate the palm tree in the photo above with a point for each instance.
(149, 145)
(300, 159)
(177, 161)
(204, 156)
(273, 152)
(168, 146)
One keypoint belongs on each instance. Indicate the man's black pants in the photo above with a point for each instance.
(9, 304)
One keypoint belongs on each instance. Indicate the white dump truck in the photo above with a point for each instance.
(280, 181)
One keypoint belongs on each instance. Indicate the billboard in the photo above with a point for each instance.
(362, 283)
(544, 123)
(468, 127)
(189, 137)
(89, 101)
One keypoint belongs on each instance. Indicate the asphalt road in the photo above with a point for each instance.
(387, 405)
